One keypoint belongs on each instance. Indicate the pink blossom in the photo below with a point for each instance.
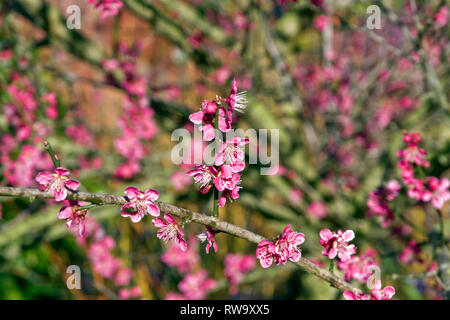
(203, 175)
(317, 210)
(205, 118)
(350, 295)
(124, 294)
(359, 267)
(57, 182)
(321, 22)
(179, 180)
(282, 249)
(103, 261)
(232, 153)
(169, 231)
(441, 17)
(226, 179)
(140, 203)
(75, 216)
(195, 286)
(438, 191)
(382, 294)
(236, 101)
(222, 74)
(411, 253)
(127, 170)
(413, 154)
(108, 7)
(123, 277)
(236, 266)
(295, 196)
(175, 296)
(183, 261)
(378, 201)
(336, 244)
(229, 194)
(208, 236)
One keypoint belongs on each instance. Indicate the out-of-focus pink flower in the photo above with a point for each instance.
(413, 154)
(208, 236)
(175, 296)
(222, 74)
(52, 110)
(411, 253)
(236, 267)
(378, 202)
(359, 267)
(124, 293)
(108, 7)
(296, 196)
(57, 182)
(441, 17)
(169, 231)
(123, 276)
(103, 261)
(179, 180)
(196, 39)
(438, 191)
(195, 286)
(321, 22)
(110, 64)
(183, 261)
(140, 203)
(336, 244)
(6, 54)
(127, 170)
(317, 210)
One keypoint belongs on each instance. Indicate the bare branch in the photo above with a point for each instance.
(187, 216)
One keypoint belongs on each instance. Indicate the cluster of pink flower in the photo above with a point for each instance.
(336, 244)
(284, 248)
(141, 203)
(195, 284)
(136, 124)
(377, 293)
(236, 266)
(359, 267)
(225, 175)
(378, 202)
(99, 251)
(108, 7)
(428, 189)
(21, 113)
(411, 253)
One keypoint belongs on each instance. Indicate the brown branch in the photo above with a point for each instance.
(185, 215)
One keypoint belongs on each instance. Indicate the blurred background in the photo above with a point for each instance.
(109, 95)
